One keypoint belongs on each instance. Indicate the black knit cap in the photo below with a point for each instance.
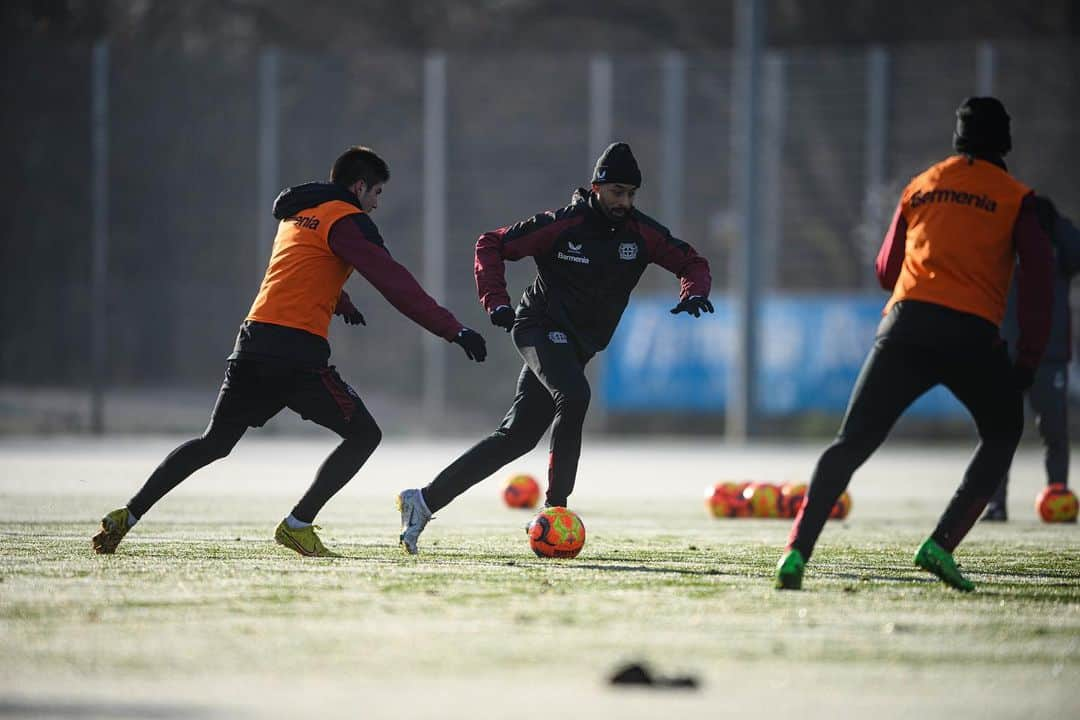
(982, 127)
(617, 165)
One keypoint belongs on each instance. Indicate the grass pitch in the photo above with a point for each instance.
(200, 614)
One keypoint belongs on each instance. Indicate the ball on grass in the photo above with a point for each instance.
(521, 491)
(1056, 503)
(763, 499)
(556, 532)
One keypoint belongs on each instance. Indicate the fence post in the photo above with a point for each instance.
(601, 94)
(268, 170)
(875, 143)
(749, 39)
(434, 231)
(773, 128)
(99, 233)
(985, 68)
(673, 142)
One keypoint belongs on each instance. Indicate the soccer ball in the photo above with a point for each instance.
(521, 491)
(842, 507)
(740, 506)
(791, 499)
(1056, 503)
(556, 532)
(724, 499)
(763, 499)
(717, 501)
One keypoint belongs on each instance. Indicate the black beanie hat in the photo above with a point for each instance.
(617, 165)
(982, 127)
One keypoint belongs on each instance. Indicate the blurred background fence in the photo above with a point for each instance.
(189, 143)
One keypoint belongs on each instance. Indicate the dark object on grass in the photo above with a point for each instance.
(638, 674)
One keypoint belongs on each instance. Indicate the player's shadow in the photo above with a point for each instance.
(862, 577)
(91, 708)
(1025, 575)
(612, 567)
(983, 588)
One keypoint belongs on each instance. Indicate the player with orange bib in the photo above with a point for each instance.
(281, 357)
(948, 260)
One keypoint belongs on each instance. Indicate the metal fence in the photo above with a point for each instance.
(190, 145)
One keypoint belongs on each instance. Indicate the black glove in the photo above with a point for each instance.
(503, 316)
(348, 311)
(694, 305)
(473, 344)
(353, 317)
(1023, 377)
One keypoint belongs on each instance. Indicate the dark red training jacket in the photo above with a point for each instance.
(586, 266)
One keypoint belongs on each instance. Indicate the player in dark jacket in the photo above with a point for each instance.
(947, 258)
(589, 257)
(281, 355)
(1049, 393)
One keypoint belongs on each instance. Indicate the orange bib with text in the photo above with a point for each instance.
(959, 251)
(305, 277)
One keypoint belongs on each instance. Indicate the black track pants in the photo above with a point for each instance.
(215, 443)
(920, 345)
(251, 394)
(551, 391)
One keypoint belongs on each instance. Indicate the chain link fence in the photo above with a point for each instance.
(842, 131)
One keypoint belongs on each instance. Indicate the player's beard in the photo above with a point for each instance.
(616, 214)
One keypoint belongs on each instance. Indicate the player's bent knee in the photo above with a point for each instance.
(218, 448)
(1004, 437)
(574, 403)
(366, 432)
(375, 436)
(850, 450)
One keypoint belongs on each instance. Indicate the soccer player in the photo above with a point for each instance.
(947, 258)
(281, 354)
(1049, 394)
(589, 257)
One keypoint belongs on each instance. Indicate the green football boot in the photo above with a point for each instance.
(936, 559)
(789, 571)
(114, 527)
(302, 540)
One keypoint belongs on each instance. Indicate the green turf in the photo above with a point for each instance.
(194, 601)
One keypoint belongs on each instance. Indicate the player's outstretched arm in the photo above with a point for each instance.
(528, 238)
(356, 240)
(676, 256)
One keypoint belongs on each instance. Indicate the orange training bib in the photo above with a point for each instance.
(304, 279)
(959, 247)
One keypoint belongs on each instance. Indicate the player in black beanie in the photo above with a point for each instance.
(947, 259)
(982, 128)
(589, 257)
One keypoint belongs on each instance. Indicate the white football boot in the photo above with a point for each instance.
(414, 518)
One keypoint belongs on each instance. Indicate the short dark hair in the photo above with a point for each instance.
(359, 163)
